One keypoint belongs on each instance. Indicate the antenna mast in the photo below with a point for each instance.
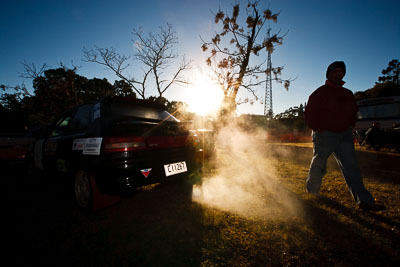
(268, 111)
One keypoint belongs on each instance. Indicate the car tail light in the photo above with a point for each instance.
(193, 140)
(121, 144)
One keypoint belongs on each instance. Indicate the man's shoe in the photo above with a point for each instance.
(311, 192)
(371, 207)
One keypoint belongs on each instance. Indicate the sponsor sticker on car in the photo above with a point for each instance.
(92, 146)
(79, 144)
(175, 168)
(146, 172)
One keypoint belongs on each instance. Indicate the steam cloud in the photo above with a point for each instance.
(245, 181)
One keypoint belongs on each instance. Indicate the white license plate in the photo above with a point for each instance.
(175, 168)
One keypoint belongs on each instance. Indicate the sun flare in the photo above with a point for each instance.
(205, 97)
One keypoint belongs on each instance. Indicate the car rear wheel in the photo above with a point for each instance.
(83, 190)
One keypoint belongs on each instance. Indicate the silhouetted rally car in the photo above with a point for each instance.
(113, 145)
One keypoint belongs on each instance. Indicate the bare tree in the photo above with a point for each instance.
(155, 51)
(235, 44)
(30, 70)
(118, 64)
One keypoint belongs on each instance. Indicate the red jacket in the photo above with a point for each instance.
(331, 108)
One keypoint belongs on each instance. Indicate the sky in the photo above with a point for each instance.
(363, 34)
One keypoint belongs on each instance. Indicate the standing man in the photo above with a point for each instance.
(331, 113)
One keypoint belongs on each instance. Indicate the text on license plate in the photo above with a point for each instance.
(175, 168)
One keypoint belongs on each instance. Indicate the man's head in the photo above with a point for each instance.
(336, 71)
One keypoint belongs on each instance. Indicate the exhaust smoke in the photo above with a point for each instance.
(244, 180)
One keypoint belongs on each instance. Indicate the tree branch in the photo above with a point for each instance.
(117, 63)
(30, 70)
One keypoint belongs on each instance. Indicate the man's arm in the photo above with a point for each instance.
(311, 113)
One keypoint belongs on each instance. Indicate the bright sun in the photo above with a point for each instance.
(205, 97)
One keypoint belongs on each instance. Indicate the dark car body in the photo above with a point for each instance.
(120, 142)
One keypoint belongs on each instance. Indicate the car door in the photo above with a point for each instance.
(55, 151)
(75, 139)
(68, 156)
(53, 146)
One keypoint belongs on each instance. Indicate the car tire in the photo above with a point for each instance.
(83, 190)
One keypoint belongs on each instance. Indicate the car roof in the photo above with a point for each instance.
(134, 101)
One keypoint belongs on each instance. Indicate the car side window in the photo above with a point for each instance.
(81, 119)
(62, 124)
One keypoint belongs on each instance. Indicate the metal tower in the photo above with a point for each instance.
(268, 111)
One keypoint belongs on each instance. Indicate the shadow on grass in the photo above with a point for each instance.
(352, 214)
(350, 242)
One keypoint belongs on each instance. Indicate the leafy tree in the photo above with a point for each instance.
(13, 102)
(232, 48)
(54, 92)
(159, 99)
(379, 90)
(293, 118)
(62, 88)
(154, 51)
(95, 89)
(387, 85)
(177, 108)
(293, 112)
(391, 73)
(180, 110)
(123, 88)
(13, 118)
(288, 122)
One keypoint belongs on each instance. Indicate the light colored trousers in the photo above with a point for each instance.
(342, 147)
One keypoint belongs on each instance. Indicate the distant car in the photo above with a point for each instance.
(385, 112)
(15, 148)
(15, 141)
(114, 145)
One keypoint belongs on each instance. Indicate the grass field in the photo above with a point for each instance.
(270, 222)
(322, 231)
